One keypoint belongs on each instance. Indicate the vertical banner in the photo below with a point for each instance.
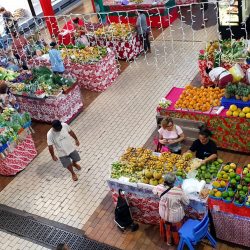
(50, 18)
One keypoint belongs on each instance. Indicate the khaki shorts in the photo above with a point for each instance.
(68, 159)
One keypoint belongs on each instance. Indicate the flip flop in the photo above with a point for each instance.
(74, 177)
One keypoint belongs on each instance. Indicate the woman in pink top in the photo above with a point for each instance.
(171, 208)
(171, 135)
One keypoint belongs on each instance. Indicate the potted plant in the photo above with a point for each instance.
(230, 90)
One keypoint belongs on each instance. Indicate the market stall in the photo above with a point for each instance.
(47, 96)
(229, 132)
(144, 204)
(94, 68)
(17, 147)
(159, 14)
(229, 203)
(139, 170)
(226, 54)
(120, 38)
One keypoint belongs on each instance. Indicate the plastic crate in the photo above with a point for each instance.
(240, 104)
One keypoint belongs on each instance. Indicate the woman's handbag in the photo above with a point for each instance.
(160, 148)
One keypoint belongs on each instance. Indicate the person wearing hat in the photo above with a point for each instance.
(56, 59)
(171, 208)
(59, 136)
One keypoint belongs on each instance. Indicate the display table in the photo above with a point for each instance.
(205, 80)
(228, 132)
(159, 15)
(144, 205)
(231, 222)
(20, 157)
(96, 77)
(64, 107)
(127, 49)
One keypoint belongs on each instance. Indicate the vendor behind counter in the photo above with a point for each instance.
(204, 147)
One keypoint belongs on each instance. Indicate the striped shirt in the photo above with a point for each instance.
(171, 204)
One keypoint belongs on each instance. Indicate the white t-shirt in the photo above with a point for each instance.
(61, 140)
(174, 134)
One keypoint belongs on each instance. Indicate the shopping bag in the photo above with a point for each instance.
(160, 148)
(237, 73)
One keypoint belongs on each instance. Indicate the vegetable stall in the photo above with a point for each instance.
(47, 96)
(94, 68)
(159, 14)
(119, 37)
(226, 54)
(17, 147)
(229, 128)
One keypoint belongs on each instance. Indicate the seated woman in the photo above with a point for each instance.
(7, 99)
(204, 147)
(171, 135)
(171, 210)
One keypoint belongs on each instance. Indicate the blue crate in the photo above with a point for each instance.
(240, 104)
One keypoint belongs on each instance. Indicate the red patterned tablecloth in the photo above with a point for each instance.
(228, 132)
(144, 205)
(95, 77)
(64, 107)
(124, 49)
(231, 222)
(205, 80)
(182, 2)
(20, 158)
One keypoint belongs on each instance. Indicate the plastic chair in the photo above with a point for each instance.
(193, 231)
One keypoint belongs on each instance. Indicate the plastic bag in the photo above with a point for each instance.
(190, 186)
(248, 76)
(237, 73)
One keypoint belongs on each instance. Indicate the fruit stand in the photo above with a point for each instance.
(228, 132)
(47, 96)
(161, 14)
(94, 68)
(17, 148)
(120, 38)
(139, 170)
(230, 207)
(224, 54)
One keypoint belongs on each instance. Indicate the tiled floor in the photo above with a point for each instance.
(122, 116)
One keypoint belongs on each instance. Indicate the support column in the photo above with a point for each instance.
(49, 15)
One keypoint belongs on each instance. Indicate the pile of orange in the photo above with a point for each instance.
(199, 99)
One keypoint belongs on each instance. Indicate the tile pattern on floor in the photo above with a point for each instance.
(122, 116)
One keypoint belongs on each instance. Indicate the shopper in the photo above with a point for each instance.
(7, 99)
(143, 31)
(56, 59)
(20, 48)
(171, 210)
(59, 137)
(204, 147)
(9, 21)
(171, 135)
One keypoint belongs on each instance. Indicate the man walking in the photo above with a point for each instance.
(59, 136)
(142, 30)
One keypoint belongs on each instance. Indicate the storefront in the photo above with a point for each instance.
(232, 17)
